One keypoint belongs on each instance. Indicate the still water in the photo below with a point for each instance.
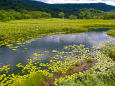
(93, 38)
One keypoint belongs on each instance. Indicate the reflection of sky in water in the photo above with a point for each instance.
(99, 39)
(54, 42)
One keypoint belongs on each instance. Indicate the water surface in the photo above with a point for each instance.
(97, 37)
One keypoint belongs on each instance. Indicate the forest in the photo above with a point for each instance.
(28, 9)
(6, 15)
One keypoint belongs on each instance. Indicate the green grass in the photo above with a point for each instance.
(91, 78)
(109, 51)
(22, 30)
(35, 79)
(111, 32)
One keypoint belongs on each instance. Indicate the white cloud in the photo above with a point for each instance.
(110, 2)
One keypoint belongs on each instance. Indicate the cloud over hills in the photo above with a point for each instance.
(110, 2)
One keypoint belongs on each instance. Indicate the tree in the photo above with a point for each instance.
(72, 17)
(90, 13)
(4, 16)
(61, 14)
(109, 15)
(40, 14)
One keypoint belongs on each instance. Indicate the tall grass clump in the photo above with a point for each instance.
(109, 51)
(111, 32)
(35, 79)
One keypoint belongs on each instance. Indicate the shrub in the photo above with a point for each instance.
(72, 17)
(109, 51)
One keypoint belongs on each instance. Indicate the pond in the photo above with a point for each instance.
(19, 52)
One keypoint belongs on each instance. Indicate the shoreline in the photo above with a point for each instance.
(23, 30)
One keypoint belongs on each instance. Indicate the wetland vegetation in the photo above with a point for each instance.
(111, 32)
(22, 30)
(56, 45)
(76, 65)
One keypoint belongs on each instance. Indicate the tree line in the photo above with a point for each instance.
(6, 15)
(92, 14)
(85, 13)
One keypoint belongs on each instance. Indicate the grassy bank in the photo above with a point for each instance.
(21, 30)
(111, 32)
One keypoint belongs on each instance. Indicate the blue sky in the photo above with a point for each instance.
(110, 2)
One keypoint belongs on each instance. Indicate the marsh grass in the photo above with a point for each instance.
(91, 78)
(22, 30)
(109, 51)
(111, 32)
(36, 79)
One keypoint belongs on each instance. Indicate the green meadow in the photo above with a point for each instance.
(79, 66)
(22, 30)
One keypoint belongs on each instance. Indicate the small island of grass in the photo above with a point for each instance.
(111, 32)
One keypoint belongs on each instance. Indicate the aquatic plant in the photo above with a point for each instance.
(90, 59)
(77, 64)
(61, 69)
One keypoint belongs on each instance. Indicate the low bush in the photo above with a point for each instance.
(109, 51)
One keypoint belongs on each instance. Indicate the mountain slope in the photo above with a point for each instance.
(52, 8)
(35, 5)
(100, 6)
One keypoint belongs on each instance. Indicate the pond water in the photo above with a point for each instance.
(93, 38)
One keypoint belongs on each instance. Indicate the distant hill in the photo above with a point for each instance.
(100, 6)
(52, 8)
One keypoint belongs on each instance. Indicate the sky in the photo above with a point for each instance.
(110, 2)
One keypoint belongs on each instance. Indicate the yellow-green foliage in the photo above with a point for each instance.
(91, 78)
(21, 30)
(35, 79)
(111, 32)
(109, 51)
(62, 61)
(77, 64)
(90, 60)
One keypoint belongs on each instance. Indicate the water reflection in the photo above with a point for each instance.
(53, 42)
